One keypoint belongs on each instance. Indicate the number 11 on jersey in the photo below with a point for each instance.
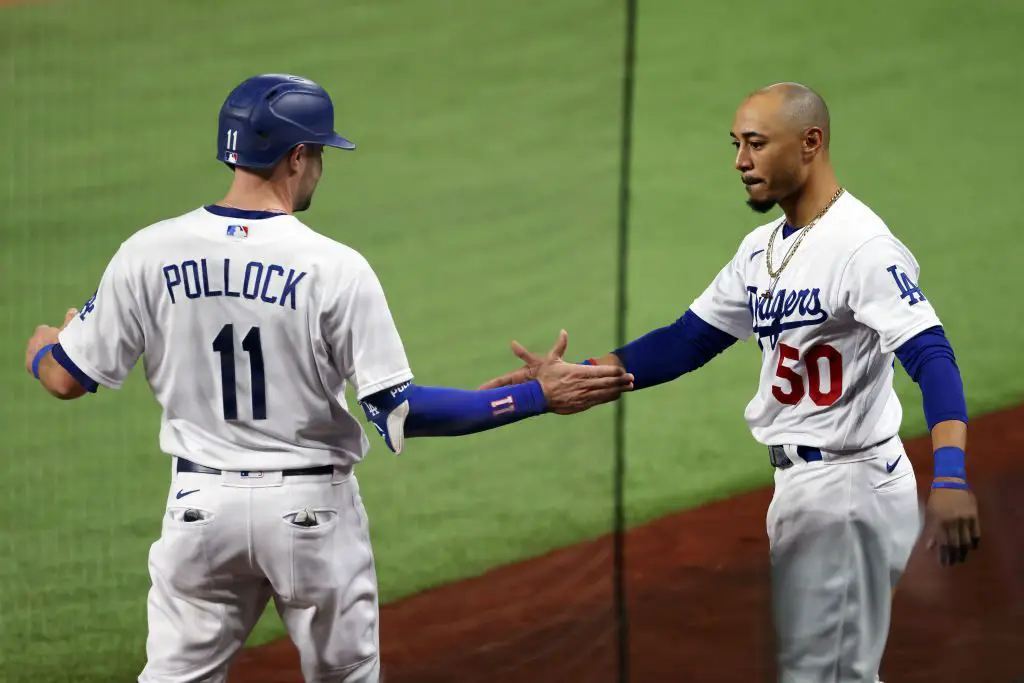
(224, 344)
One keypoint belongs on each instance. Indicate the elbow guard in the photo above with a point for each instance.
(387, 412)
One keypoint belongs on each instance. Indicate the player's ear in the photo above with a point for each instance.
(296, 155)
(814, 141)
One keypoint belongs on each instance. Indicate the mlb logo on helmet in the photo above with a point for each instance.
(238, 231)
(231, 157)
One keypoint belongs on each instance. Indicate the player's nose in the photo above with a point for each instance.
(743, 161)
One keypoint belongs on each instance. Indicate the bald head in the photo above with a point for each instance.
(781, 136)
(798, 107)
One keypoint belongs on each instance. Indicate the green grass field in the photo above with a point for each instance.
(484, 193)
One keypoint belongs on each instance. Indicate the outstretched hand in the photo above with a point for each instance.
(531, 363)
(568, 387)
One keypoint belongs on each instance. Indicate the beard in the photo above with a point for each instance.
(305, 191)
(302, 201)
(784, 182)
(761, 205)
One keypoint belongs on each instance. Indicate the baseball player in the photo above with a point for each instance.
(251, 325)
(831, 297)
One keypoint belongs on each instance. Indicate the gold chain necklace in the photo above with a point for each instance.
(775, 274)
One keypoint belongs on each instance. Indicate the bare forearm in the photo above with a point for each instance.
(949, 433)
(57, 381)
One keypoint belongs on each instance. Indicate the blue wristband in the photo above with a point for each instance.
(949, 462)
(40, 354)
(950, 485)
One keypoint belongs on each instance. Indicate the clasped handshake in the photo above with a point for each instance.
(568, 387)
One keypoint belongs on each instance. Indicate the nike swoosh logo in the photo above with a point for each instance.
(755, 254)
(890, 467)
(181, 494)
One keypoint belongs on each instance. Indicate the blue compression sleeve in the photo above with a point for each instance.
(440, 411)
(929, 360)
(668, 352)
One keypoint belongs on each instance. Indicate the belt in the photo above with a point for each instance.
(779, 459)
(195, 468)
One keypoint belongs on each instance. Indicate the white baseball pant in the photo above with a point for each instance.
(213, 577)
(841, 531)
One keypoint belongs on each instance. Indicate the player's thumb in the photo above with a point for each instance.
(72, 312)
(493, 383)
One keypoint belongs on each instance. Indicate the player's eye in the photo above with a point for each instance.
(736, 144)
(757, 144)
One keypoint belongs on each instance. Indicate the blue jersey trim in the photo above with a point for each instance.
(242, 214)
(61, 356)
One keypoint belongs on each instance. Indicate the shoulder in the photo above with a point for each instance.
(159, 233)
(867, 247)
(331, 255)
(343, 274)
(148, 242)
(858, 226)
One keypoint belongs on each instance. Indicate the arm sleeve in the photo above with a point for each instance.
(724, 304)
(361, 334)
(105, 340)
(671, 351)
(409, 410)
(929, 360)
(879, 285)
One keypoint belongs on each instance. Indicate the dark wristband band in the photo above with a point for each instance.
(950, 485)
(949, 462)
(40, 354)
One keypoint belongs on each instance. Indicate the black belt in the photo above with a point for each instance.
(195, 468)
(777, 456)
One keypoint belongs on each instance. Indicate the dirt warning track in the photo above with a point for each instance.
(698, 601)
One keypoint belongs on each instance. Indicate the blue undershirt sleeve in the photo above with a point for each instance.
(929, 360)
(669, 352)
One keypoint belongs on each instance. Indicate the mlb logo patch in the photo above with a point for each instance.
(238, 231)
(251, 475)
(231, 157)
(502, 406)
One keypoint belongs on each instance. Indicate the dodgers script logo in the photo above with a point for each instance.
(786, 310)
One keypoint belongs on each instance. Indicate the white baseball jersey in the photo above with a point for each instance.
(250, 326)
(846, 301)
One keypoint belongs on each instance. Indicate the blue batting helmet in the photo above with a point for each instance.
(265, 116)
